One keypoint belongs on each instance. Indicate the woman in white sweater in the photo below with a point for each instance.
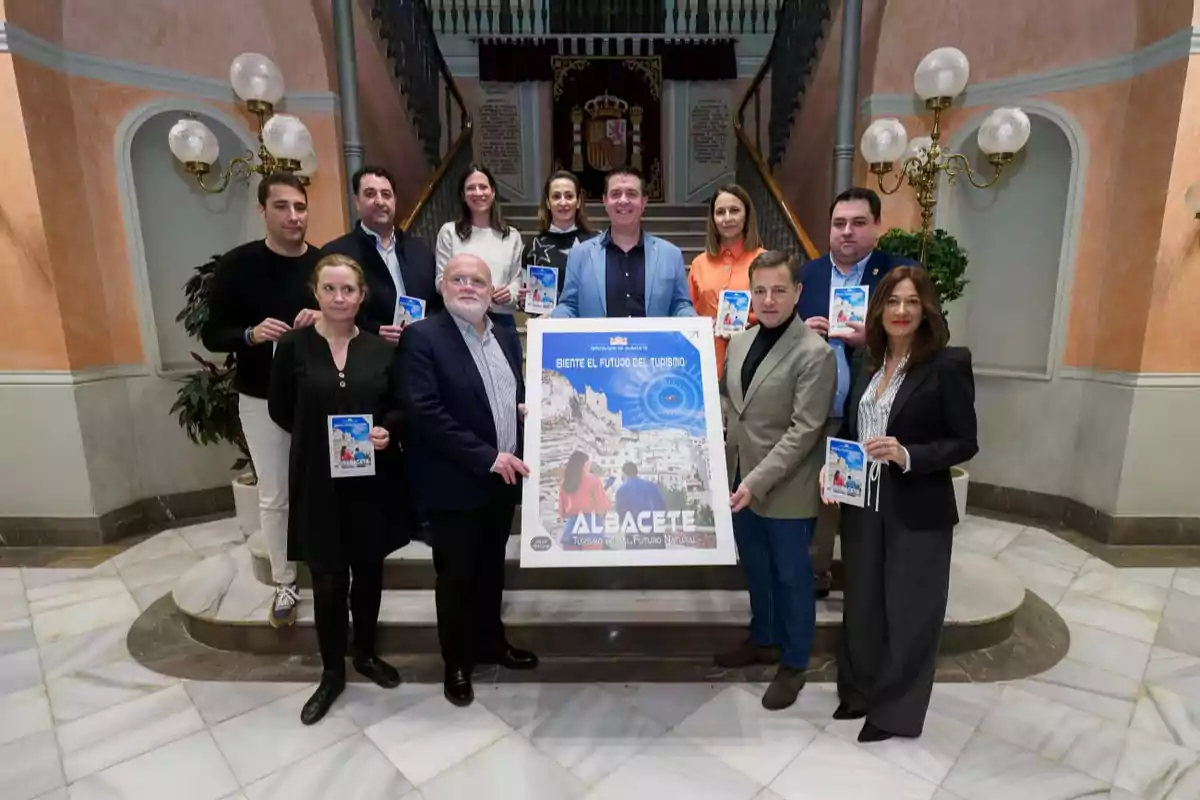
(481, 230)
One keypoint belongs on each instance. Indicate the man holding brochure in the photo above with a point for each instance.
(397, 265)
(625, 272)
(855, 223)
(778, 384)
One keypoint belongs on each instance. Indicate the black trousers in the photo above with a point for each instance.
(897, 584)
(468, 555)
(330, 593)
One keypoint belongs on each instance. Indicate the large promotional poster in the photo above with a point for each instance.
(624, 445)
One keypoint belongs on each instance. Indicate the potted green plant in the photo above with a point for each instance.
(947, 262)
(206, 404)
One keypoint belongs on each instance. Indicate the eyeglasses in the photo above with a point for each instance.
(463, 281)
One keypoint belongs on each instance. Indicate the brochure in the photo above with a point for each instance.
(845, 472)
(733, 312)
(847, 304)
(351, 453)
(408, 311)
(541, 290)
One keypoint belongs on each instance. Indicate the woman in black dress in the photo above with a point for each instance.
(913, 409)
(344, 526)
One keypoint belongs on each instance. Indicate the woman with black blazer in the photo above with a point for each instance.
(343, 527)
(913, 408)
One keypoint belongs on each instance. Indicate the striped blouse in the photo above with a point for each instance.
(874, 408)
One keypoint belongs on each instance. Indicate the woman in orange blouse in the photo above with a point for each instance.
(732, 243)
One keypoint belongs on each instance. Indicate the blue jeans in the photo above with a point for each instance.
(774, 553)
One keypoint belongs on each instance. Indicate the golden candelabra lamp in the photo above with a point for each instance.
(284, 144)
(941, 76)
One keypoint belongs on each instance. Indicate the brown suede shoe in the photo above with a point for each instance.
(784, 688)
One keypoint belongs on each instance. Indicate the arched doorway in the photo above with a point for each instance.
(1014, 234)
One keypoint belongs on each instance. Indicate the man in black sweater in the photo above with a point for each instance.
(260, 290)
(395, 263)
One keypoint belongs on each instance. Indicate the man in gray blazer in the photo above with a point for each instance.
(777, 390)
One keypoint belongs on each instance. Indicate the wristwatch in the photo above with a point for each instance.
(248, 335)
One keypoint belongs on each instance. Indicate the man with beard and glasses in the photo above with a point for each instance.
(464, 398)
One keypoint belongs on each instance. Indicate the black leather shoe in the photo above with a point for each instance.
(514, 658)
(318, 705)
(844, 711)
(457, 687)
(377, 671)
(874, 733)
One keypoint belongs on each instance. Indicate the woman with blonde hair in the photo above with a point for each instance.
(342, 527)
(731, 243)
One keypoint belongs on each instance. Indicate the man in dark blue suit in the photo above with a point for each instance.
(394, 262)
(854, 228)
(464, 398)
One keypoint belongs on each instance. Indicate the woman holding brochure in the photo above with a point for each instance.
(731, 244)
(563, 222)
(481, 231)
(336, 390)
(912, 409)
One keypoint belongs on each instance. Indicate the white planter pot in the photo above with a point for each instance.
(960, 478)
(245, 502)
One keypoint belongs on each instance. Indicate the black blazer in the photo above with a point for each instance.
(451, 436)
(417, 268)
(933, 416)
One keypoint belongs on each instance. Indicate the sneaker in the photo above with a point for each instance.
(283, 607)
(784, 688)
(747, 654)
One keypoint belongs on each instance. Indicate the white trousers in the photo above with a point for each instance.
(270, 446)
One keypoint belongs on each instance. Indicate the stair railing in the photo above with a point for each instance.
(800, 26)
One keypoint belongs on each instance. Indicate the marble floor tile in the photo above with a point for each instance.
(832, 769)
(983, 537)
(1057, 733)
(13, 604)
(53, 626)
(942, 794)
(352, 769)
(218, 701)
(16, 635)
(767, 794)
(1170, 712)
(1047, 581)
(1086, 688)
(1044, 547)
(189, 769)
(55, 596)
(967, 703)
(122, 732)
(1180, 627)
(735, 727)
(30, 767)
(162, 545)
(271, 737)
(211, 534)
(158, 570)
(1167, 664)
(666, 703)
(60, 793)
(37, 577)
(1156, 770)
(88, 650)
(433, 735)
(593, 733)
(513, 763)
(1187, 580)
(24, 713)
(1110, 651)
(367, 704)
(930, 756)
(1087, 610)
(1155, 576)
(19, 671)
(83, 693)
(992, 769)
(1122, 589)
(673, 768)
(146, 596)
(524, 706)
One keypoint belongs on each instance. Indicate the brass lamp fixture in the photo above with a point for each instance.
(284, 143)
(940, 77)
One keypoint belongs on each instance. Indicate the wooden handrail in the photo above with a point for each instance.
(756, 158)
